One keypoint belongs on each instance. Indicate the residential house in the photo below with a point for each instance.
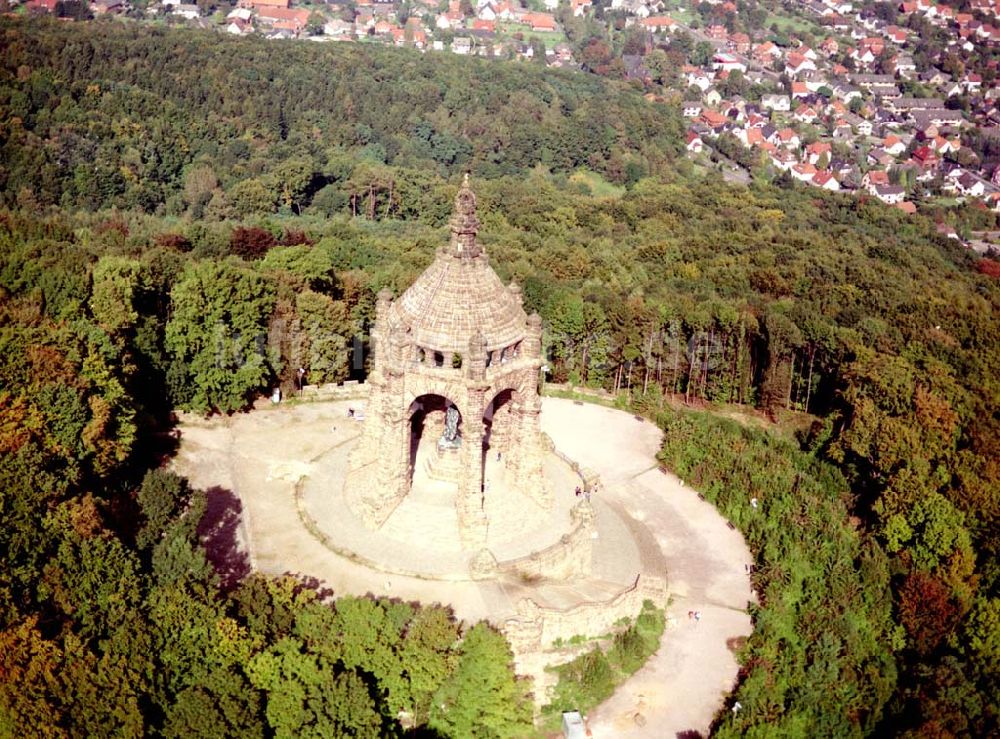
(803, 171)
(796, 63)
(971, 185)
(868, 80)
(890, 194)
(925, 158)
(717, 33)
(711, 98)
(766, 52)
(659, 24)
(108, 7)
(783, 159)
(907, 104)
(540, 22)
(874, 178)
(895, 34)
(238, 27)
(805, 114)
(972, 82)
(923, 119)
(862, 126)
(846, 93)
(738, 42)
(825, 180)
(886, 92)
(842, 129)
(699, 79)
(256, 4)
(786, 137)
(728, 63)
(880, 157)
(779, 103)
(694, 143)
(714, 120)
(186, 10)
(816, 151)
(894, 145)
(691, 108)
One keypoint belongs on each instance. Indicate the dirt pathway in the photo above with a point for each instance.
(684, 683)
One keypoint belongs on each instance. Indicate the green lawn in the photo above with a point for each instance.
(548, 38)
(794, 23)
(599, 186)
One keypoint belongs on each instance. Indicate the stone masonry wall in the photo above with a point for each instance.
(568, 558)
(536, 628)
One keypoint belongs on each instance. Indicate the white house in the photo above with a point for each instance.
(779, 103)
(728, 63)
(186, 10)
(890, 194)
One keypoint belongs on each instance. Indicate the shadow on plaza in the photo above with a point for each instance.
(219, 534)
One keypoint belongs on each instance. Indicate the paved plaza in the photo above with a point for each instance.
(282, 465)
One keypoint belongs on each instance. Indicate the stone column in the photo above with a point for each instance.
(387, 434)
(527, 450)
(472, 522)
(470, 504)
(526, 433)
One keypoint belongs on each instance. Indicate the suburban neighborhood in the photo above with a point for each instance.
(898, 102)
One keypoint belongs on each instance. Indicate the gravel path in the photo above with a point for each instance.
(684, 683)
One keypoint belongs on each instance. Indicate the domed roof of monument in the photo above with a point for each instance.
(459, 295)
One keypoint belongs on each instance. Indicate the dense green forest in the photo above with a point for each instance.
(189, 217)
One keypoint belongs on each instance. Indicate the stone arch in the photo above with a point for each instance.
(498, 421)
(426, 417)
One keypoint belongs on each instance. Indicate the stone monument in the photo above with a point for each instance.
(454, 378)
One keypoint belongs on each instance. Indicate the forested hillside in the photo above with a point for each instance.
(114, 116)
(188, 218)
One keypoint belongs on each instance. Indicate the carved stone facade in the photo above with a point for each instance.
(457, 345)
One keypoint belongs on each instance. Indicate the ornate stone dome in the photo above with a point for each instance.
(460, 295)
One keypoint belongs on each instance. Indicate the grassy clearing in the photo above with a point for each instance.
(549, 38)
(792, 23)
(599, 187)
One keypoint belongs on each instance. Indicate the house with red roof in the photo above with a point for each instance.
(659, 23)
(540, 21)
(805, 114)
(825, 180)
(894, 145)
(796, 63)
(816, 150)
(287, 19)
(738, 42)
(874, 178)
(925, 158)
(803, 171)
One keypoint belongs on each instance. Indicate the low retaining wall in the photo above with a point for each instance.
(347, 390)
(569, 557)
(536, 628)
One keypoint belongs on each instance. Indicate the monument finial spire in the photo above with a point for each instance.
(464, 223)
